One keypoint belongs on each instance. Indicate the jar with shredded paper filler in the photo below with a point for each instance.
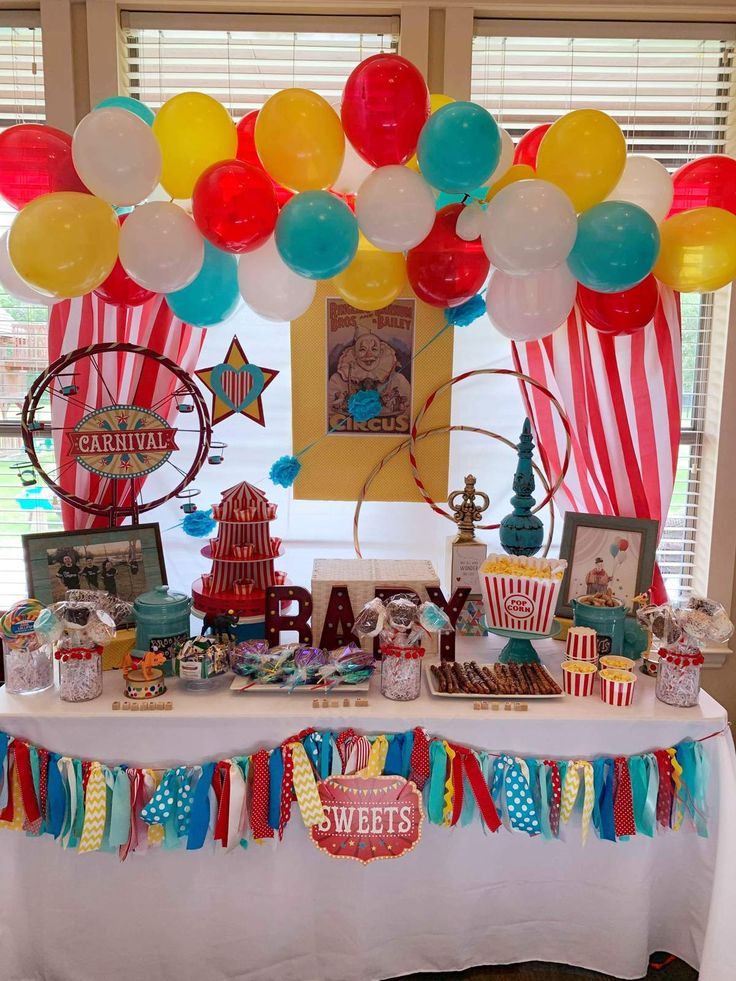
(678, 677)
(401, 672)
(28, 661)
(80, 673)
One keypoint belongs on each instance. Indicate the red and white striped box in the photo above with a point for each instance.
(578, 677)
(582, 644)
(519, 602)
(615, 689)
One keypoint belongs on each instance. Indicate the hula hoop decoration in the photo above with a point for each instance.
(438, 431)
(416, 437)
(118, 443)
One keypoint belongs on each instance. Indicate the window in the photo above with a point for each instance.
(24, 506)
(670, 97)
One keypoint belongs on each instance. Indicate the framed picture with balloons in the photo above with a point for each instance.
(606, 553)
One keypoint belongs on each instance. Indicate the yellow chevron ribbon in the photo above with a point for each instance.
(305, 787)
(95, 810)
(449, 797)
(570, 790)
(377, 758)
(677, 802)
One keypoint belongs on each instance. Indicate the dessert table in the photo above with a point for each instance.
(461, 898)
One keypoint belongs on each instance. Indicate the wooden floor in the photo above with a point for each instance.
(538, 971)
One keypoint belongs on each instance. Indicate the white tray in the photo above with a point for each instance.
(261, 688)
(504, 698)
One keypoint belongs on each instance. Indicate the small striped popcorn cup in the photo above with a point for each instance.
(216, 512)
(245, 514)
(275, 546)
(271, 511)
(243, 587)
(243, 551)
(578, 677)
(582, 644)
(617, 687)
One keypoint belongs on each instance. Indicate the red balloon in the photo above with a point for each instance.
(706, 183)
(384, 106)
(234, 206)
(620, 313)
(623, 544)
(119, 289)
(248, 154)
(36, 160)
(444, 270)
(528, 146)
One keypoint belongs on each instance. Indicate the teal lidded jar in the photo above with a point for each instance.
(607, 621)
(162, 623)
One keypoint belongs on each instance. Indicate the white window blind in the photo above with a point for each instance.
(243, 66)
(671, 96)
(23, 328)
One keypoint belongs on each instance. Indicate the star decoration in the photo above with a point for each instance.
(234, 387)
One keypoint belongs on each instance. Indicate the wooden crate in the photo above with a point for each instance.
(362, 577)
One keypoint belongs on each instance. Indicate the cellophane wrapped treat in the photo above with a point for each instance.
(348, 665)
(245, 657)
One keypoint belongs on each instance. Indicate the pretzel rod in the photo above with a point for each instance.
(470, 374)
(436, 432)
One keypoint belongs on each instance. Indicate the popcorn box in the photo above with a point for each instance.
(578, 677)
(617, 687)
(519, 602)
(581, 644)
(362, 577)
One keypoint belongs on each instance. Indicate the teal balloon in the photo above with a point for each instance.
(132, 105)
(213, 295)
(459, 147)
(479, 194)
(613, 549)
(616, 247)
(316, 235)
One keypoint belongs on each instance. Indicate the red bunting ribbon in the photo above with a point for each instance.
(43, 781)
(465, 761)
(28, 791)
(86, 770)
(664, 794)
(259, 797)
(419, 762)
(343, 743)
(623, 802)
(287, 783)
(136, 778)
(221, 785)
(556, 799)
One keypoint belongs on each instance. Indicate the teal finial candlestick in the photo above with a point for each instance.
(521, 532)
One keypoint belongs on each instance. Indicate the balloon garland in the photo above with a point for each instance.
(299, 192)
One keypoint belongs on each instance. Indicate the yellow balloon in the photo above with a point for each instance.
(65, 243)
(697, 250)
(300, 141)
(436, 101)
(584, 153)
(373, 279)
(194, 131)
(519, 172)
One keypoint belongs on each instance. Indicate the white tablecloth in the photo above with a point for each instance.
(288, 912)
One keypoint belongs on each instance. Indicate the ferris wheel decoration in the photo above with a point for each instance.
(112, 406)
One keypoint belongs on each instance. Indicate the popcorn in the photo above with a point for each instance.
(522, 565)
(610, 674)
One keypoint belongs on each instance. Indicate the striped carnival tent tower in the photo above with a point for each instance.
(242, 555)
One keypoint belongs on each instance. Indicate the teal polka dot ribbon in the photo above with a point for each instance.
(172, 801)
(517, 796)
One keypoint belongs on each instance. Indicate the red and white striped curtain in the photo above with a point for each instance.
(623, 397)
(125, 379)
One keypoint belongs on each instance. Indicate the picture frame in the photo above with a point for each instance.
(125, 561)
(597, 560)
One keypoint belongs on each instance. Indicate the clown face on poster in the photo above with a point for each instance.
(370, 352)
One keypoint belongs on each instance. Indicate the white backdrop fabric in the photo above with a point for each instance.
(289, 913)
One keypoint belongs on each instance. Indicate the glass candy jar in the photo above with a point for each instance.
(678, 677)
(27, 669)
(401, 672)
(80, 673)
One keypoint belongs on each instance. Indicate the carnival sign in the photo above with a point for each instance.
(122, 441)
(368, 818)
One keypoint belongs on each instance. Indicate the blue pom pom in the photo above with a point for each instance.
(467, 312)
(365, 405)
(285, 471)
(199, 524)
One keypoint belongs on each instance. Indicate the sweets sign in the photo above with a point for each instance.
(368, 818)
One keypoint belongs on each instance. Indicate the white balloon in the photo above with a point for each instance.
(529, 226)
(505, 160)
(117, 156)
(160, 247)
(353, 172)
(17, 287)
(270, 288)
(469, 223)
(527, 308)
(395, 208)
(647, 183)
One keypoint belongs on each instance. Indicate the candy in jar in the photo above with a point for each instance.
(678, 677)
(28, 661)
(401, 672)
